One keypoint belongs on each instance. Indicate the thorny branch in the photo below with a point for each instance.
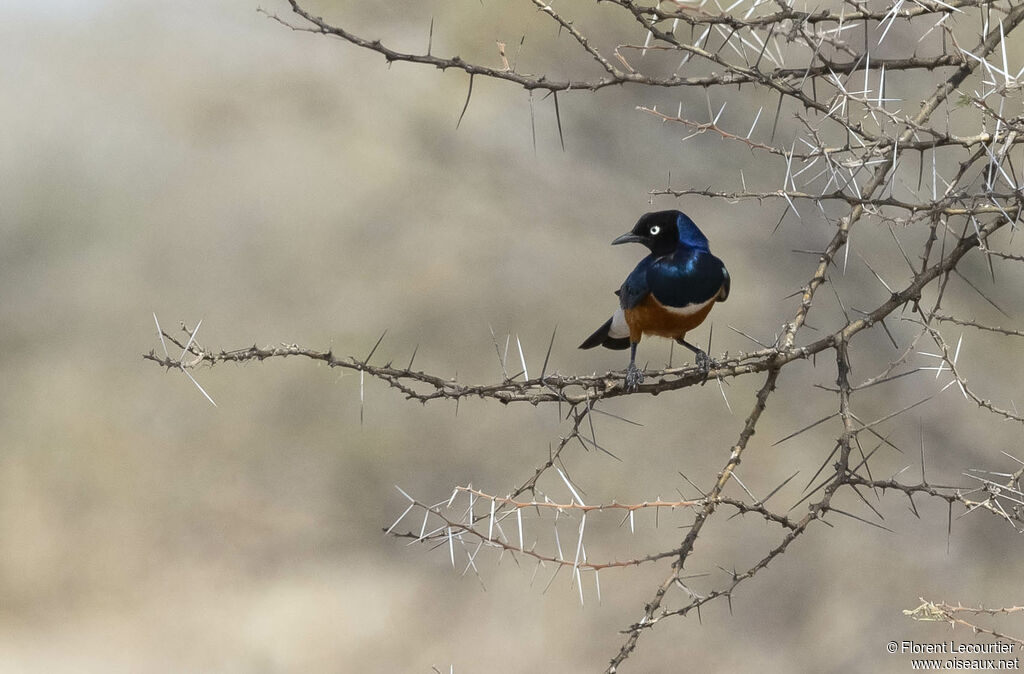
(943, 612)
(864, 146)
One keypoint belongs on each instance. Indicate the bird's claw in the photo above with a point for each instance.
(634, 377)
(705, 363)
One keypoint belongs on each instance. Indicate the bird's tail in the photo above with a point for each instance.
(602, 337)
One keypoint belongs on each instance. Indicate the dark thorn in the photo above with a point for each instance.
(821, 468)
(921, 433)
(866, 502)
(469, 94)
(835, 291)
(558, 118)
(949, 526)
(978, 290)
(599, 447)
(872, 431)
(779, 223)
(861, 519)
(616, 416)
(778, 110)
(805, 428)
(533, 125)
(374, 349)
(775, 491)
(699, 490)
(755, 341)
(891, 338)
(864, 460)
(544, 367)
(590, 422)
(767, 40)
(900, 246)
(913, 506)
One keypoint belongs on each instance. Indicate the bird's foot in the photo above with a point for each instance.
(634, 377)
(705, 364)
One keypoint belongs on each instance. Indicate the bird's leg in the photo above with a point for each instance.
(703, 360)
(634, 377)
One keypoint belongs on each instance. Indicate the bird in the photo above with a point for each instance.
(669, 293)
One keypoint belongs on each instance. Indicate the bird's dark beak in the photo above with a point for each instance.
(628, 237)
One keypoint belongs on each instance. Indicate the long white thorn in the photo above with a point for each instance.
(1002, 45)
(749, 133)
(191, 338)
(569, 485)
(201, 390)
(160, 334)
(522, 359)
(400, 518)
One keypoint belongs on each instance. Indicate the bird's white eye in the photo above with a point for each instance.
(655, 230)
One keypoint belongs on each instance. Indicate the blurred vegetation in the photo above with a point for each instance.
(200, 161)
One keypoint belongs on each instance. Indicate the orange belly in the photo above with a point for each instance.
(650, 317)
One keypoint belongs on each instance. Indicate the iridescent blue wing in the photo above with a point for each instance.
(689, 277)
(635, 288)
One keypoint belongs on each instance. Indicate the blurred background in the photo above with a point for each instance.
(198, 160)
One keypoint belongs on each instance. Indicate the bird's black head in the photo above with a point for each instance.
(663, 231)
